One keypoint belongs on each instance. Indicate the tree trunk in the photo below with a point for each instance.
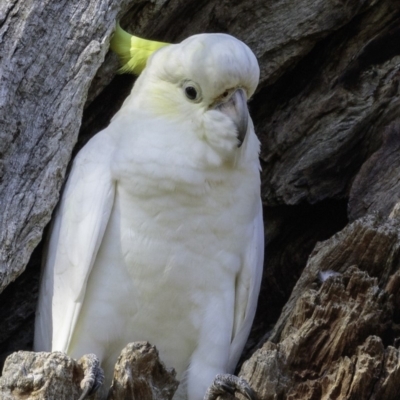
(325, 112)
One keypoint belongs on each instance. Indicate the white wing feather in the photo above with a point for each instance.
(75, 237)
(247, 290)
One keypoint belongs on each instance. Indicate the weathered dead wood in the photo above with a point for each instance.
(39, 376)
(139, 374)
(320, 122)
(339, 337)
(377, 185)
(50, 52)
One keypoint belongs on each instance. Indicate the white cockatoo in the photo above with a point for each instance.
(159, 234)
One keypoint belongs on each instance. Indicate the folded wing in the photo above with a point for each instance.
(75, 236)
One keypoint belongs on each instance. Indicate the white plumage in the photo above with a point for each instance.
(159, 233)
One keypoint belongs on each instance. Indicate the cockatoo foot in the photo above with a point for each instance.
(226, 383)
(94, 375)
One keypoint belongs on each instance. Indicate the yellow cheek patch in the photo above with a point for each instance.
(165, 108)
(132, 50)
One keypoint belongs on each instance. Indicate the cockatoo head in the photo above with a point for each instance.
(205, 80)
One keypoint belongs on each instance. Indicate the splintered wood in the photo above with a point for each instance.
(338, 338)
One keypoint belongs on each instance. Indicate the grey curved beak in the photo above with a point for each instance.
(236, 109)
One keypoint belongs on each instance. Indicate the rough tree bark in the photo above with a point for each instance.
(325, 112)
(139, 375)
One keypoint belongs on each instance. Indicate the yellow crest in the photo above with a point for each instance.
(133, 51)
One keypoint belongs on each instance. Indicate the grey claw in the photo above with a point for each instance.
(227, 383)
(94, 375)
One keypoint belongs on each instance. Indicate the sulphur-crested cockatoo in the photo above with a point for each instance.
(159, 235)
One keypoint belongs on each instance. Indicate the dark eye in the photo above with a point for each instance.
(191, 92)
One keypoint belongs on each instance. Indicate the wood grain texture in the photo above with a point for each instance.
(376, 187)
(139, 375)
(39, 376)
(337, 336)
(50, 52)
